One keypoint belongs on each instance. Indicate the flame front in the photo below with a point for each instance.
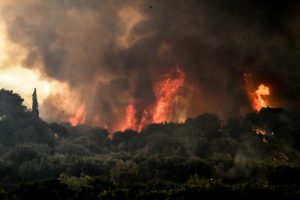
(79, 117)
(164, 93)
(160, 111)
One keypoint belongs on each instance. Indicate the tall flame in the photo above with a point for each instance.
(160, 111)
(164, 92)
(79, 117)
(258, 97)
(131, 120)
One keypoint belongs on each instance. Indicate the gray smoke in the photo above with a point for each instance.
(213, 42)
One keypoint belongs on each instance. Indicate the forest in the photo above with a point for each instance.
(253, 156)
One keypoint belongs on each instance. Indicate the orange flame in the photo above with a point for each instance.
(260, 131)
(258, 100)
(164, 92)
(131, 120)
(79, 117)
(144, 121)
(265, 140)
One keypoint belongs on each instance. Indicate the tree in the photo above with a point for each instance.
(124, 173)
(35, 106)
(10, 104)
(42, 189)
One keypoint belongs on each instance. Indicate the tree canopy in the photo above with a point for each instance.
(250, 155)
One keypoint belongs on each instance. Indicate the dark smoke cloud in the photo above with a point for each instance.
(213, 42)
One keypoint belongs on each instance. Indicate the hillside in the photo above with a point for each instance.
(254, 152)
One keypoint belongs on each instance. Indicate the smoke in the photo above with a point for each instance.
(111, 53)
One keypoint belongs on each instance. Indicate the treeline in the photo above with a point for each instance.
(100, 187)
(258, 152)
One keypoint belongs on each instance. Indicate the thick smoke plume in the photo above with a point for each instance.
(112, 53)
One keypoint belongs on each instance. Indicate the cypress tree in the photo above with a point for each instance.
(35, 105)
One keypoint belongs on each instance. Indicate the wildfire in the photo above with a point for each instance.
(258, 97)
(79, 117)
(131, 120)
(164, 91)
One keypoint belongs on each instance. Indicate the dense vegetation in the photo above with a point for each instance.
(249, 157)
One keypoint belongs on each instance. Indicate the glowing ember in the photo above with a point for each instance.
(56, 136)
(283, 156)
(260, 132)
(258, 100)
(265, 140)
(280, 156)
(79, 117)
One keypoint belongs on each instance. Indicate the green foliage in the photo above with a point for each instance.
(95, 188)
(42, 189)
(18, 125)
(19, 154)
(10, 103)
(124, 172)
(195, 180)
(198, 158)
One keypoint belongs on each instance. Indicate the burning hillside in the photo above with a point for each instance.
(140, 99)
(164, 105)
(127, 64)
